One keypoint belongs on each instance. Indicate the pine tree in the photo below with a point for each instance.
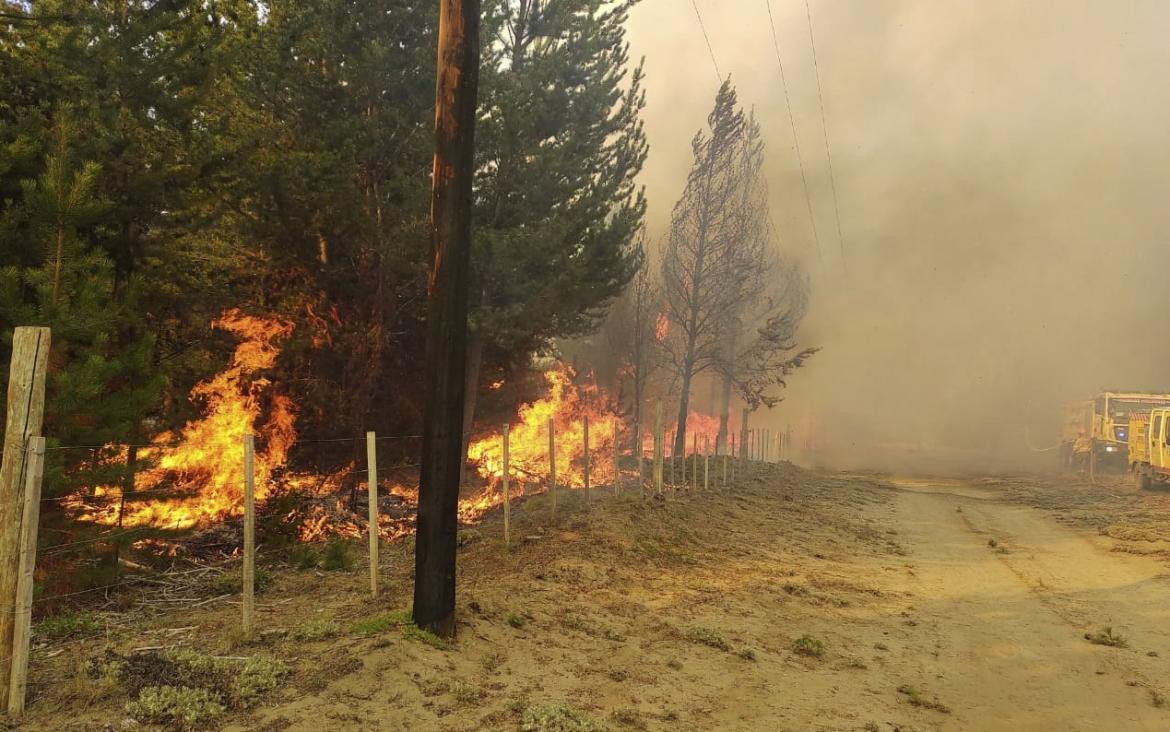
(559, 146)
(103, 383)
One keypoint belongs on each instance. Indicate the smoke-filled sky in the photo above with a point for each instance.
(1003, 174)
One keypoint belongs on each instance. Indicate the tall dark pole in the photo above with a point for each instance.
(456, 81)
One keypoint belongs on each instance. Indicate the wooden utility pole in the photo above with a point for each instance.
(25, 418)
(456, 85)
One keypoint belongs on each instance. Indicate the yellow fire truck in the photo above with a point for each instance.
(1096, 431)
(1149, 446)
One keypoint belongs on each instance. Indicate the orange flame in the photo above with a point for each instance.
(702, 429)
(662, 327)
(206, 468)
(567, 406)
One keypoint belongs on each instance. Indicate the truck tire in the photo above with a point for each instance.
(1146, 483)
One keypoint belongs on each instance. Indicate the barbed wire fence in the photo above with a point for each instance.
(517, 479)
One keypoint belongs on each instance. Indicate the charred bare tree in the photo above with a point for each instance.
(716, 261)
(629, 354)
(454, 166)
(645, 308)
(759, 371)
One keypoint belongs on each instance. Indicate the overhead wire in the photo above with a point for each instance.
(710, 48)
(795, 138)
(825, 129)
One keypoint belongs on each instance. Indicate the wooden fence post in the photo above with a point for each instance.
(706, 462)
(25, 418)
(372, 509)
(695, 460)
(249, 570)
(22, 632)
(731, 453)
(658, 448)
(672, 461)
(552, 464)
(585, 438)
(507, 492)
(617, 468)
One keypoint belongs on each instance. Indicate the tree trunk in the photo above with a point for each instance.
(636, 416)
(57, 260)
(684, 407)
(724, 416)
(456, 84)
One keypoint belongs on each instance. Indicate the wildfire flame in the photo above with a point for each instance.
(567, 405)
(701, 428)
(205, 469)
(662, 327)
(197, 477)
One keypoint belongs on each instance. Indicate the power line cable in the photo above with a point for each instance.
(710, 48)
(825, 129)
(795, 138)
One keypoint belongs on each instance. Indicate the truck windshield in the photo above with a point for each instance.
(1124, 407)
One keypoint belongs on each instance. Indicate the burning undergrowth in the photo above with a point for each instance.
(566, 408)
(195, 483)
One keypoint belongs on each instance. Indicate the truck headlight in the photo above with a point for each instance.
(1110, 448)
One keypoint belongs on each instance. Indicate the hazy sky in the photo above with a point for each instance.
(1002, 173)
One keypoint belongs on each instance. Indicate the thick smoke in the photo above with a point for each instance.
(1003, 172)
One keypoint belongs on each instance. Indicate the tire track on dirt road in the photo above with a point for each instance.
(1003, 625)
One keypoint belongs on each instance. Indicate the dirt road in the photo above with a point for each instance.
(1002, 627)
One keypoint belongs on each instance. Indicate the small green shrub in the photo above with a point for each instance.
(401, 619)
(259, 675)
(337, 555)
(557, 718)
(380, 623)
(516, 620)
(916, 699)
(69, 624)
(746, 654)
(708, 637)
(628, 717)
(806, 645)
(244, 682)
(303, 556)
(232, 583)
(466, 693)
(178, 707)
(425, 636)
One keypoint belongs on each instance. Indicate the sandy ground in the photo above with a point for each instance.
(685, 614)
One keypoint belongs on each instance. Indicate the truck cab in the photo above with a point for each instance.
(1149, 447)
(1097, 432)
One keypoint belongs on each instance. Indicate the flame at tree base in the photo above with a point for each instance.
(200, 479)
(567, 406)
